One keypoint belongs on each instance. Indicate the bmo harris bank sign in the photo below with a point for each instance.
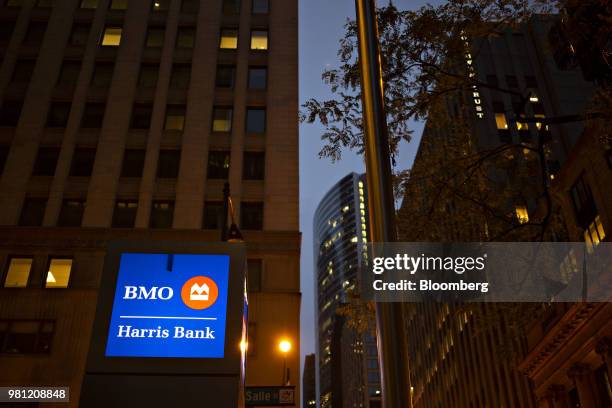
(169, 305)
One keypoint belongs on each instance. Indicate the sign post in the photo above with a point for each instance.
(390, 335)
(168, 327)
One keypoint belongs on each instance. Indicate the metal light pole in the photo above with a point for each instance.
(390, 334)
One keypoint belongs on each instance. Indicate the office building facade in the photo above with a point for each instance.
(123, 119)
(347, 367)
(464, 357)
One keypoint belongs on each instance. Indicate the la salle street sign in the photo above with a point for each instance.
(260, 396)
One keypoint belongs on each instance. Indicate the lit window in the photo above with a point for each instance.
(18, 273)
(500, 121)
(175, 117)
(522, 126)
(89, 4)
(539, 124)
(594, 234)
(222, 120)
(522, 215)
(119, 4)
(229, 39)
(259, 40)
(112, 36)
(58, 274)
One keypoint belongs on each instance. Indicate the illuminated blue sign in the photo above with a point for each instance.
(169, 306)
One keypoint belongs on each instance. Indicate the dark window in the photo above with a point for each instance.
(46, 161)
(181, 74)
(79, 34)
(133, 163)
(23, 71)
(141, 116)
(504, 136)
(254, 278)
(44, 3)
(6, 31)
(213, 215)
(148, 75)
(162, 213)
(185, 37)
(168, 163)
(32, 212)
(254, 166)
(10, 112)
(124, 215)
(190, 6)
(256, 120)
(218, 165)
(93, 115)
(175, 117)
(69, 73)
(251, 216)
(35, 33)
(155, 37)
(103, 74)
(231, 6)
(531, 82)
(261, 7)
(512, 82)
(492, 80)
(583, 202)
(258, 77)
(119, 4)
(26, 336)
(82, 162)
(161, 5)
(608, 157)
(89, 4)
(225, 76)
(58, 114)
(4, 151)
(71, 213)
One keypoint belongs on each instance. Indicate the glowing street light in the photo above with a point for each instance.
(285, 347)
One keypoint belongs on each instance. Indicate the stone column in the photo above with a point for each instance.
(582, 375)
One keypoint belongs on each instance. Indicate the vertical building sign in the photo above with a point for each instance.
(471, 71)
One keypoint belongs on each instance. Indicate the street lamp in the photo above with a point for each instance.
(285, 347)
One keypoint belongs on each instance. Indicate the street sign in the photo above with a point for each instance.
(269, 396)
(169, 305)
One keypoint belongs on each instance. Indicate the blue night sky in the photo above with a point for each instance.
(321, 26)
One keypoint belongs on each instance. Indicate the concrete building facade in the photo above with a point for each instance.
(347, 366)
(123, 119)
